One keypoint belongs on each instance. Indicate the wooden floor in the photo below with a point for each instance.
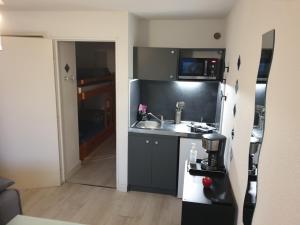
(100, 167)
(101, 206)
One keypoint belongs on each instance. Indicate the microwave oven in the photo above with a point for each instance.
(199, 69)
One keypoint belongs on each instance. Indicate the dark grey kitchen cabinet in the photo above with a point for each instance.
(156, 63)
(164, 162)
(139, 165)
(152, 163)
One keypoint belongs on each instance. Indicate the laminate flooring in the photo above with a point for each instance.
(101, 206)
(99, 168)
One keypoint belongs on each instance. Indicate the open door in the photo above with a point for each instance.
(29, 152)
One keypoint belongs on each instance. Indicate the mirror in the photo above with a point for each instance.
(257, 134)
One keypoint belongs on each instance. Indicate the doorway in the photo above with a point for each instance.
(87, 98)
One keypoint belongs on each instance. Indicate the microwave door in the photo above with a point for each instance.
(194, 69)
(190, 68)
(205, 68)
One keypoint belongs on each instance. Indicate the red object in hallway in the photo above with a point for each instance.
(207, 182)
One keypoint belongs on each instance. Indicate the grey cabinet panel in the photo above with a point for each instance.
(153, 163)
(139, 163)
(156, 63)
(164, 162)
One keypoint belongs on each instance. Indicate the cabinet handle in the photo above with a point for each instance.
(171, 76)
(172, 51)
(156, 142)
(147, 141)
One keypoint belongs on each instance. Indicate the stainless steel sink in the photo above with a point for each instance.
(148, 125)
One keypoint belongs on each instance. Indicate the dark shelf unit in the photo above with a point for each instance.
(213, 206)
(87, 88)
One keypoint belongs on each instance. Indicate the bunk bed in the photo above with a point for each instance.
(95, 124)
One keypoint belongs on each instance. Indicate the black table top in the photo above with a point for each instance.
(219, 193)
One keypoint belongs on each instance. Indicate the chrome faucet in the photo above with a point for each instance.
(179, 108)
(161, 120)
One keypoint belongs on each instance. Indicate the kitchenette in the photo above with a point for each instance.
(176, 103)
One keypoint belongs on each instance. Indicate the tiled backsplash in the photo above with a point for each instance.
(161, 96)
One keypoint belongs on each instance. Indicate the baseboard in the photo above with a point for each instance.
(122, 187)
(152, 190)
(73, 171)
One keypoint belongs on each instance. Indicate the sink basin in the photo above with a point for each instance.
(148, 124)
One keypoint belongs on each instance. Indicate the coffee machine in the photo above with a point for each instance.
(214, 144)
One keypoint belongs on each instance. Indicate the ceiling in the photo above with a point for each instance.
(151, 9)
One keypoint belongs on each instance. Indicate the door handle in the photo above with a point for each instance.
(156, 142)
(66, 77)
(147, 141)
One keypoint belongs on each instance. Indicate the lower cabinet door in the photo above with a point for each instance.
(139, 160)
(164, 163)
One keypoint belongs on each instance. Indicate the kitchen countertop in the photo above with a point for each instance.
(219, 193)
(170, 129)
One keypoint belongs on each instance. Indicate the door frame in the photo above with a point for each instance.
(59, 102)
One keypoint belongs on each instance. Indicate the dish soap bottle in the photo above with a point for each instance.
(193, 154)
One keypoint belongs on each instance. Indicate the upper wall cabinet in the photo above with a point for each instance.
(156, 63)
(169, 64)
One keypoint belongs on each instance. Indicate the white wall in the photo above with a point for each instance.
(67, 100)
(134, 33)
(181, 33)
(94, 26)
(278, 200)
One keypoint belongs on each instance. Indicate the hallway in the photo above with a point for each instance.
(98, 169)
